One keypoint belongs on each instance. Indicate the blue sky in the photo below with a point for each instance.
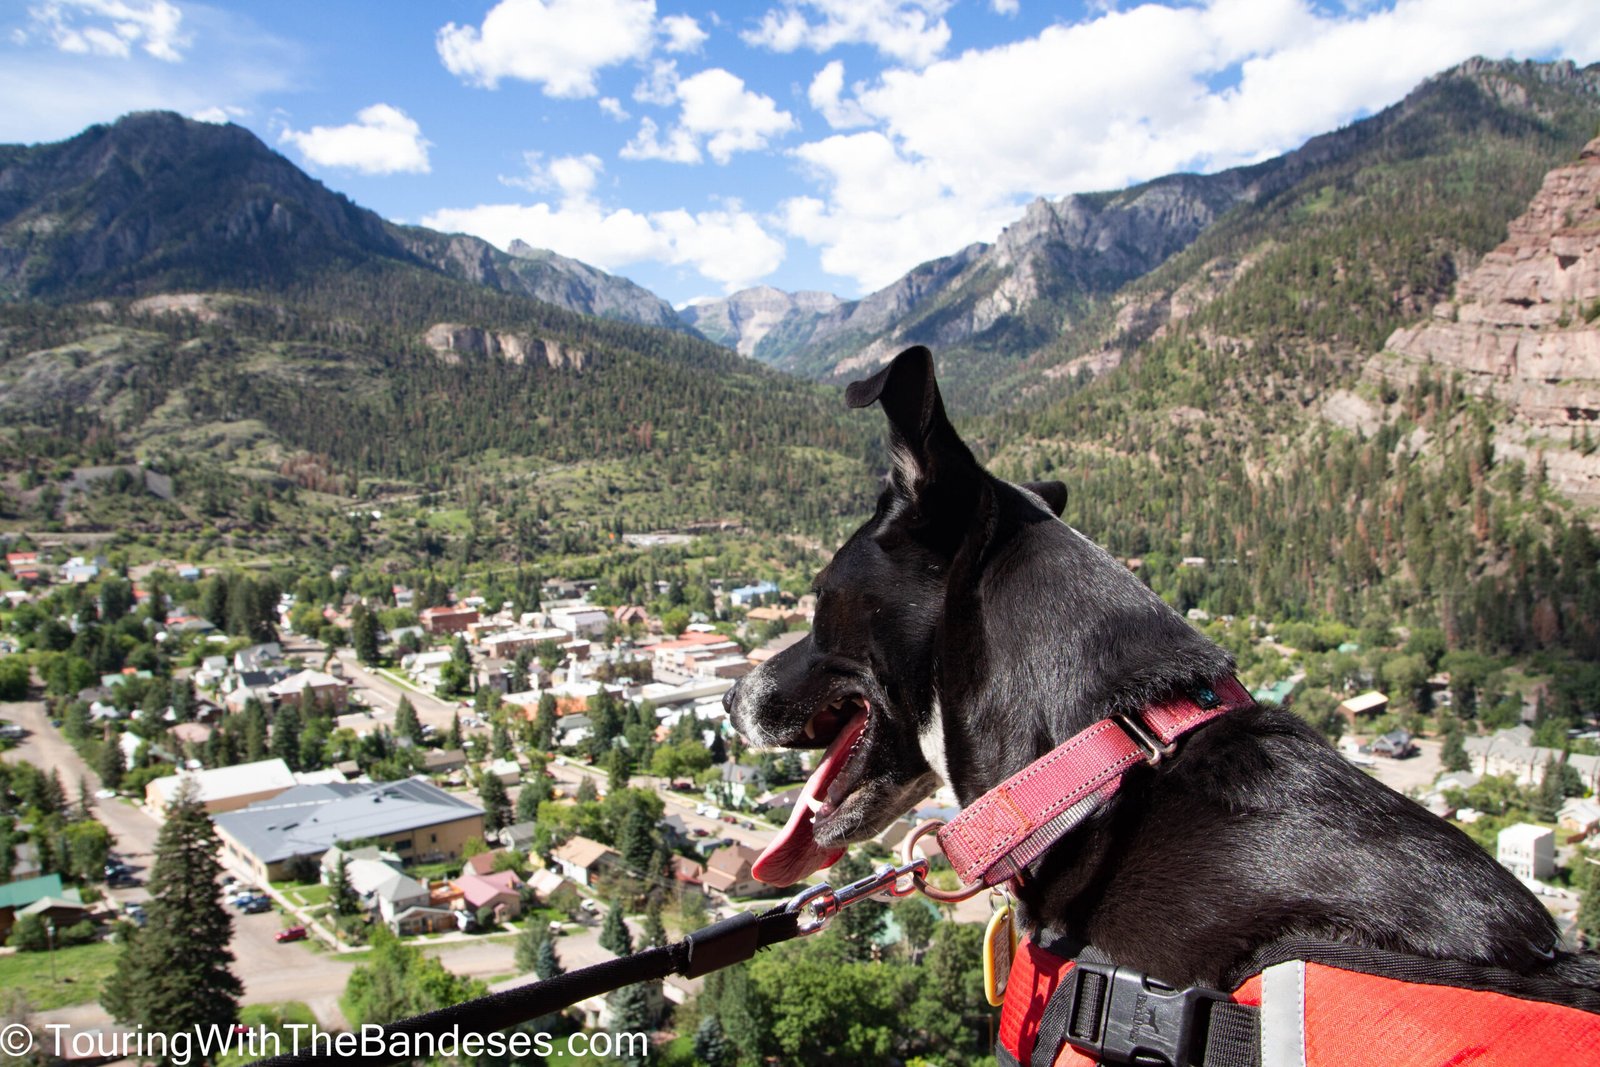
(702, 148)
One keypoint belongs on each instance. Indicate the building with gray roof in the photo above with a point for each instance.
(413, 818)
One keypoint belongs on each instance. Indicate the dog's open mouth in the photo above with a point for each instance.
(796, 852)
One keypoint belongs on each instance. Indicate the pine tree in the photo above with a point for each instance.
(364, 634)
(527, 807)
(631, 1014)
(453, 738)
(619, 768)
(719, 749)
(341, 892)
(548, 964)
(174, 974)
(655, 932)
(496, 803)
(544, 724)
(587, 790)
(1453, 752)
(286, 735)
(406, 723)
(614, 935)
(530, 943)
(500, 740)
(711, 1046)
(111, 765)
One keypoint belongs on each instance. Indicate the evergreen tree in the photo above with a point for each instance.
(342, 894)
(255, 731)
(614, 935)
(711, 1046)
(548, 964)
(528, 799)
(619, 768)
(530, 943)
(719, 749)
(112, 766)
(364, 635)
(655, 932)
(1453, 752)
(286, 735)
(453, 738)
(174, 974)
(496, 803)
(500, 740)
(637, 841)
(631, 1014)
(587, 790)
(406, 723)
(544, 724)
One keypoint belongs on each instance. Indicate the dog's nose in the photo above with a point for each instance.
(730, 700)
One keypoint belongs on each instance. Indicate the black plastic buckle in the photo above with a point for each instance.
(1120, 1015)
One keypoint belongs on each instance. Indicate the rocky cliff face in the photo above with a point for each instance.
(1524, 328)
(453, 340)
(541, 274)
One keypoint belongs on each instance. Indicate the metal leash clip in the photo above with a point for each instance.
(816, 904)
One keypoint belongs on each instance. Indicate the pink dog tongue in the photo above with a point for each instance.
(794, 854)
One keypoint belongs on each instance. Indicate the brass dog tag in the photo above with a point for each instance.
(999, 948)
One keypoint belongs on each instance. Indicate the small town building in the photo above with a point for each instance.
(581, 858)
(728, 871)
(1527, 851)
(412, 818)
(224, 788)
(447, 620)
(1368, 705)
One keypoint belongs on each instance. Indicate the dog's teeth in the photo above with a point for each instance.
(811, 728)
(815, 804)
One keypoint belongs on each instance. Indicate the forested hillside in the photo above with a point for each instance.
(1209, 440)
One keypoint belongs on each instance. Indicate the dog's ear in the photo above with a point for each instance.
(926, 449)
(1054, 495)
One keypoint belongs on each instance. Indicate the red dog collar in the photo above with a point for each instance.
(1007, 828)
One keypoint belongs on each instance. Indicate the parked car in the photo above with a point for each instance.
(590, 906)
(293, 933)
(256, 905)
(730, 819)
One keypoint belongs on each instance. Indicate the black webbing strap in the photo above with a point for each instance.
(719, 945)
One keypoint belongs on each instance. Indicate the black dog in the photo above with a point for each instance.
(964, 631)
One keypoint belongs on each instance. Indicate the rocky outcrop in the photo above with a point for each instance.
(451, 341)
(1524, 328)
(747, 318)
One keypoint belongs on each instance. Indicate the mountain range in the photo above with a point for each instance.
(1269, 362)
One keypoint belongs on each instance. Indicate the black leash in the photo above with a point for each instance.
(722, 944)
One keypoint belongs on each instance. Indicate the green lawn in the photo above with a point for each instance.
(80, 972)
(274, 1017)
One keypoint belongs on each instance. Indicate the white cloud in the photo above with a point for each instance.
(382, 140)
(558, 44)
(958, 147)
(678, 147)
(683, 33)
(220, 115)
(47, 94)
(111, 27)
(727, 246)
(660, 84)
(613, 108)
(1005, 7)
(824, 94)
(718, 112)
(913, 32)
